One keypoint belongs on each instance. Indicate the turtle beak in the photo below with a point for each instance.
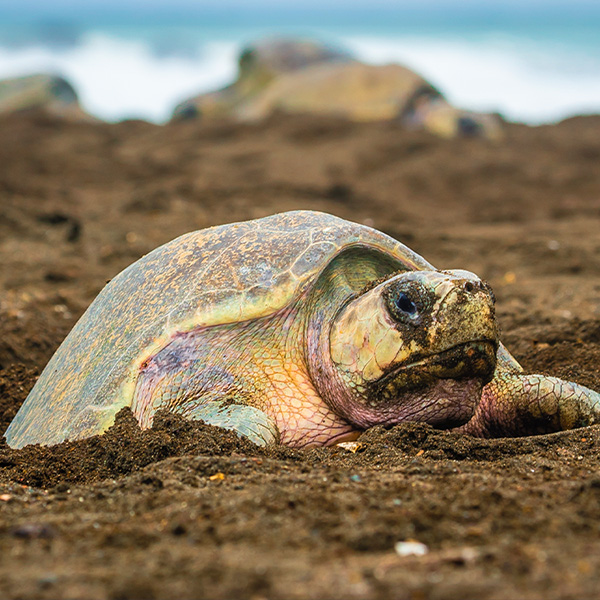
(464, 317)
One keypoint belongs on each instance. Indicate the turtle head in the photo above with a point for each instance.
(430, 111)
(417, 347)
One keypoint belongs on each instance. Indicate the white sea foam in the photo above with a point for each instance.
(118, 78)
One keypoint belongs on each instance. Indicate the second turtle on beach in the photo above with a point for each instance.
(50, 93)
(301, 329)
(301, 76)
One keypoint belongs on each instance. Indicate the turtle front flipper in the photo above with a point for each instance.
(247, 421)
(513, 404)
(198, 392)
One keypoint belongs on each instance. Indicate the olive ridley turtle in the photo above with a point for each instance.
(300, 328)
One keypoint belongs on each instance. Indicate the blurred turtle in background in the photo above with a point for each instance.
(300, 76)
(50, 93)
(259, 64)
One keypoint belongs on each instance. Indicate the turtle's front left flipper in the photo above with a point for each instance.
(513, 404)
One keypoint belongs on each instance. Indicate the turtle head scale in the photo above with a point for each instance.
(419, 346)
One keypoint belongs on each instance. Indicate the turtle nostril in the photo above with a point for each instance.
(469, 286)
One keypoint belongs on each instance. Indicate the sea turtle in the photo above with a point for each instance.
(299, 76)
(299, 328)
(258, 65)
(50, 93)
(362, 92)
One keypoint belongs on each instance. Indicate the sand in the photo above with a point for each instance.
(189, 511)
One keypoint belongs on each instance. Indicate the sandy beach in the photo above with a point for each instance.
(187, 511)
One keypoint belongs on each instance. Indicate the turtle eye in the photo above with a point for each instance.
(405, 305)
(407, 302)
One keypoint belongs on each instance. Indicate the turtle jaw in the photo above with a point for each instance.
(443, 403)
(470, 360)
(441, 389)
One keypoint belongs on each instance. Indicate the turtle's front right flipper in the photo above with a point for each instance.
(513, 404)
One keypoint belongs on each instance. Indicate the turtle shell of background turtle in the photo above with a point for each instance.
(47, 92)
(347, 89)
(259, 64)
(225, 274)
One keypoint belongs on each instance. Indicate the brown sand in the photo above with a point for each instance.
(189, 511)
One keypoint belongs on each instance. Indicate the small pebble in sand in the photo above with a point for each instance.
(410, 548)
(350, 446)
(553, 245)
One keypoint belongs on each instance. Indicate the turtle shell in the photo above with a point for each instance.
(259, 65)
(225, 274)
(347, 89)
(42, 91)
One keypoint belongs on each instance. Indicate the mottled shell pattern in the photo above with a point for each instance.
(225, 274)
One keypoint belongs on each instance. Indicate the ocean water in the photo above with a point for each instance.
(536, 65)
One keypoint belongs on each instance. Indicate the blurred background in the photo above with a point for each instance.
(534, 61)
